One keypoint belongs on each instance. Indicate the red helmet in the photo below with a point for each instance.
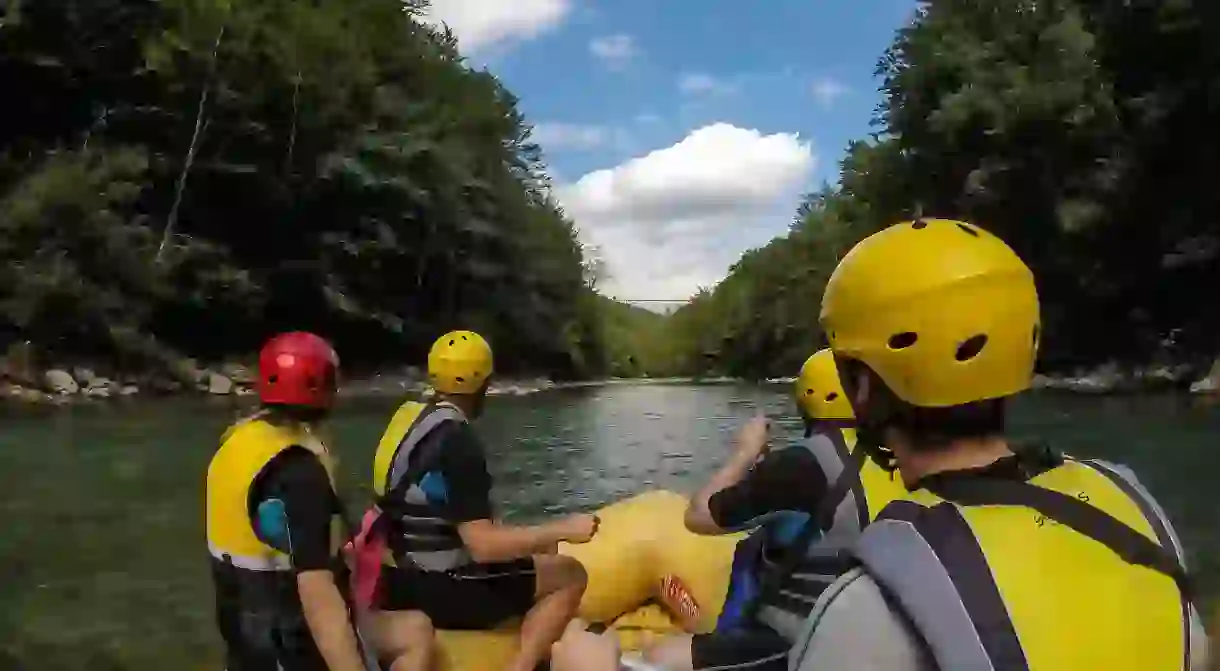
(299, 369)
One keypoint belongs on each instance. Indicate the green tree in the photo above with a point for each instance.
(269, 165)
(1077, 130)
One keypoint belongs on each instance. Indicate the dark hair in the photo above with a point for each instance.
(931, 429)
(295, 413)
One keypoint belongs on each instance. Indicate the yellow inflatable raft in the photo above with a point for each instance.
(640, 540)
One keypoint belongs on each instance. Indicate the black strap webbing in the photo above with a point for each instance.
(822, 519)
(839, 424)
(1130, 545)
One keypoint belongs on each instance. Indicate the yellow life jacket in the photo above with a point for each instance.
(259, 610)
(786, 607)
(420, 535)
(992, 584)
(245, 451)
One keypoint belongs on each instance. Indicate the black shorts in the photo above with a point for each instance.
(268, 641)
(754, 649)
(481, 596)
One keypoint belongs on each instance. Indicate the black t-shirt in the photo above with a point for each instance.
(787, 480)
(297, 478)
(460, 460)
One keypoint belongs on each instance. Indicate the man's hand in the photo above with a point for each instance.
(582, 650)
(578, 528)
(752, 438)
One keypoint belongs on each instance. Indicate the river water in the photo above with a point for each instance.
(102, 564)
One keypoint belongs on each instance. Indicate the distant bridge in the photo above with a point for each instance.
(661, 305)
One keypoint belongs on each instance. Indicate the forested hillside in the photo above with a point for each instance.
(1084, 132)
(185, 177)
(182, 178)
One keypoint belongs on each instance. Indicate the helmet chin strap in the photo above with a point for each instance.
(868, 439)
(870, 435)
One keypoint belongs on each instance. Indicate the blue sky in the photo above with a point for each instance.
(681, 132)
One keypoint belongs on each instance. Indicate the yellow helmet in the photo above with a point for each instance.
(818, 391)
(942, 311)
(459, 363)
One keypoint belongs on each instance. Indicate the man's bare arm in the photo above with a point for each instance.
(837, 641)
(327, 615)
(489, 541)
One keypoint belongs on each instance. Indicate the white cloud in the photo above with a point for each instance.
(698, 82)
(675, 219)
(614, 51)
(827, 91)
(481, 24)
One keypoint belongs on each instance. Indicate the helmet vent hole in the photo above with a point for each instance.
(464, 338)
(902, 340)
(272, 379)
(968, 229)
(919, 224)
(971, 347)
(451, 342)
(832, 396)
(460, 378)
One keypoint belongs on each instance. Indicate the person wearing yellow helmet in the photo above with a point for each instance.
(806, 503)
(1001, 556)
(446, 554)
(819, 394)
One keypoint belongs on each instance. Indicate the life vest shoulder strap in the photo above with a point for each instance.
(1127, 482)
(408, 463)
(1130, 545)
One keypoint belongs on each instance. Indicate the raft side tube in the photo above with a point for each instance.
(640, 540)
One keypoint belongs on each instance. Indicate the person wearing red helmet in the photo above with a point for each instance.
(275, 528)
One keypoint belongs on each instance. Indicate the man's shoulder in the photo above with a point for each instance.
(794, 461)
(854, 590)
(459, 443)
(296, 465)
(461, 434)
(834, 638)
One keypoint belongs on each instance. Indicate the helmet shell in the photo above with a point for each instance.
(459, 363)
(943, 312)
(298, 369)
(818, 390)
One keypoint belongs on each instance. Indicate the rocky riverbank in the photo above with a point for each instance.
(411, 380)
(30, 375)
(82, 383)
(61, 386)
(23, 381)
(1113, 379)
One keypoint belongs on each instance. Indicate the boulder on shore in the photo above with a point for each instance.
(219, 385)
(1210, 383)
(61, 382)
(1111, 378)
